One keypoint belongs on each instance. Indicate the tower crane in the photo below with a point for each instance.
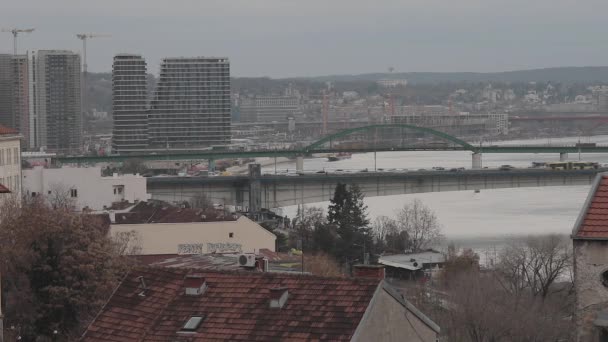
(15, 32)
(84, 37)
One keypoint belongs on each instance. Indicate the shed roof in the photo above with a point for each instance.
(592, 222)
(412, 261)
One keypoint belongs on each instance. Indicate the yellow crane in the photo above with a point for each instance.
(15, 32)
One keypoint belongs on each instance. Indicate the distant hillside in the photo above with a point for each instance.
(564, 75)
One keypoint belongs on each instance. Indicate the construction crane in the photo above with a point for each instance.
(84, 37)
(15, 32)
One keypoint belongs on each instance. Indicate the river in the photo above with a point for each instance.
(465, 214)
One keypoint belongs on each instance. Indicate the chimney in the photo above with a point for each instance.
(142, 286)
(195, 285)
(278, 297)
(261, 263)
(368, 271)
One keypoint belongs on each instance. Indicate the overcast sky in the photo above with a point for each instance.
(282, 38)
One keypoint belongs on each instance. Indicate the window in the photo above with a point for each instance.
(73, 193)
(119, 189)
(230, 235)
(193, 323)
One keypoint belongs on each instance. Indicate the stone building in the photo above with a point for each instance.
(590, 242)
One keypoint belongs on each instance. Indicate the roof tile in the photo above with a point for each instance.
(594, 219)
(235, 305)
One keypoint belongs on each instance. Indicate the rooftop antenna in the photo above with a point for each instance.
(15, 32)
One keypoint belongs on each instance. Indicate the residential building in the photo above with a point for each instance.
(191, 104)
(55, 105)
(413, 265)
(85, 187)
(590, 242)
(10, 163)
(14, 93)
(129, 104)
(178, 304)
(391, 83)
(170, 231)
(269, 108)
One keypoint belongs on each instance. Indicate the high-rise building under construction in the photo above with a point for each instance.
(55, 106)
(14, 93)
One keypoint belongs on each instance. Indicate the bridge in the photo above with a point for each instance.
(366, 139)
(271, 191)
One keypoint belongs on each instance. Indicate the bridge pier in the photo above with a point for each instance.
(476, 160)
(255, 189)
(299, 163)
(211, 165)
(563, 156)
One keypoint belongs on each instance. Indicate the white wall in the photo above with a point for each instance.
(91, 189)
(10, 165)
(209, 237)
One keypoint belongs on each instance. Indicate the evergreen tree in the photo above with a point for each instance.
(348, 213)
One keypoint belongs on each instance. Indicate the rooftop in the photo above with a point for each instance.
(592, 222)
(4, 189)
(412, 261)
(234, 306)
(7, 131)
(158, 212)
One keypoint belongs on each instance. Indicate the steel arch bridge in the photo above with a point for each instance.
(314, 146)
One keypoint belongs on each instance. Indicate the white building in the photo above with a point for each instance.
(391, 83)
(85, 186)
(10, 163)
(229, 236)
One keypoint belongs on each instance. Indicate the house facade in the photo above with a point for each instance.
(590, 250)
(10, 163)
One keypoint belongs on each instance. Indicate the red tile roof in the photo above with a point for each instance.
(235, 307)
(593, 219)
(152, 212)
(7, 130)
(4, 190)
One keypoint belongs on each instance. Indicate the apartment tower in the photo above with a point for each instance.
(191, 104)
(55, 107)
(14, 93)
(129, 104)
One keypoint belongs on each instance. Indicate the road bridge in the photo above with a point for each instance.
(329, 144)
(271, 191)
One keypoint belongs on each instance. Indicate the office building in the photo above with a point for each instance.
(269, 108)
(191, 104)
(14, 98)
(129, 104)
(55, 104)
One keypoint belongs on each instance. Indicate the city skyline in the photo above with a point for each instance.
(321, 39)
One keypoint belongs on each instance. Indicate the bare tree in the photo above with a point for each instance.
(59, 196)
(321, 264)
(127, 243)
(420, 224)
(201, 201)
(133, 166)
(383, 226)
(535, 264)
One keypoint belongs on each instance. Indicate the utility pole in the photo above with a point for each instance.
(15, 32)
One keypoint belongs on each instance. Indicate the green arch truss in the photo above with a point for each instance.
(349, 131)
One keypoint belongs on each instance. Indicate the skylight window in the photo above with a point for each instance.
(193, 323)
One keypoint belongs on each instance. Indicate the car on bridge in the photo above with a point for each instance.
(506, 167)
